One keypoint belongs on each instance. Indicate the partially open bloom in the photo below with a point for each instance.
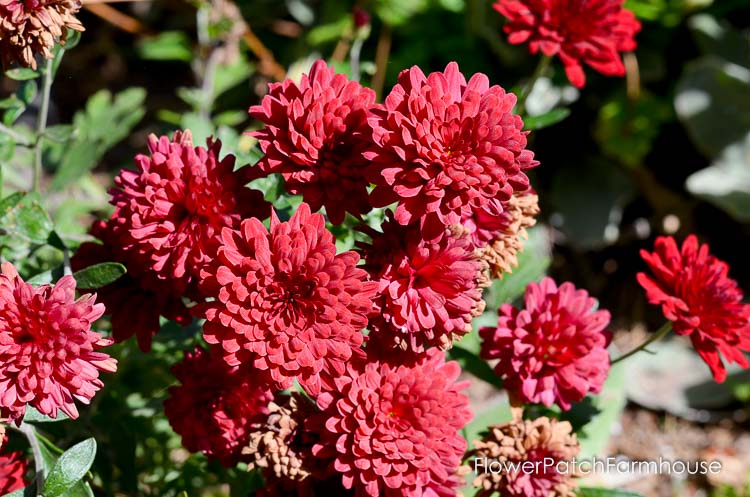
(554, 350)
(136, 300)
(31, 27)
(13, 467)
(696, 293)
(171, 209)
(48, 353)
(428, 291)
(543, 442)
(285, 302)
(445, 147)
(315, 134)
(216, 407)
(593, 32)
(393, 430)
(499, 231)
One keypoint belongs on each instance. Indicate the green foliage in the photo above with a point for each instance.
(99, 275)
(69, 469)
(167, 45)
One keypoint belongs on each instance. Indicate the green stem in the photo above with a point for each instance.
(30, 433)
(541, 68)
(656, 336)
(41, 124)
(19, 138)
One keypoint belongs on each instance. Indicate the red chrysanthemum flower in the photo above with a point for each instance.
(554, 350)
(216, 407)
(696, 293)
(285, 301)
(429, 291)
(13, 467)
(48, 353)
(445, 147)
(393, 430)
(170, 211)
(578, 31)
(31, 27)
(315, 135)
(135, 301)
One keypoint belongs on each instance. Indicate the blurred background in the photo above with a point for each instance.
(665, 150)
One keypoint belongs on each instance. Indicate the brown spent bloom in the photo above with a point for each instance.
(519, 441)
(282, 447)
(31, 27)
(501, 254)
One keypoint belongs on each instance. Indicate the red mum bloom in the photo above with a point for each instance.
(552, 351)
(47, 349)
(429, 291)
(315, 135)
(579, 31)
(216, 407)
(13, 468)
(134, 303)
(170, 211)
(445, 147)
(30, 27)
(393, 430)
(696, 293)
(285, 301)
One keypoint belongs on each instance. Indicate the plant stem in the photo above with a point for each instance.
(656, 336)
(20, 139)
(30, 433)
(541, 68)
(41, 124)
(354, 57)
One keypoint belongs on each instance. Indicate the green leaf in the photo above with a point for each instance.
(99, 275)
(169, 45)
(605, 492)
(609, 404)
(23, 219)
(545, 120)
(24, 492)
(22, 74)
(27, 92)
(34, 416)
(70, 468)
(60, 133)
(475, 365)
(496, 413)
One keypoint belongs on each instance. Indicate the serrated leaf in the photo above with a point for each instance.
(545, 120)
(605, 492)
(23, 219)
(22, 74)
(70, 468)
(34, 416)
(99, 275)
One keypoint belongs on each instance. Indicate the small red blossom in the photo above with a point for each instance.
(696, 293)
(393, 430)
(48, 353)
(428, 291)
(593, 32)
(445, 147)
(13, 467)
(285, 302)
(315, 134)
(171, 209)
(135, 300)
(216, 407)
(554, 350)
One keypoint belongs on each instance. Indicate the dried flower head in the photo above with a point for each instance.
(31, 27)
(519, 441)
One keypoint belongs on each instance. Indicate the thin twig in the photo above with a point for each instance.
(41, 124)
(656, 336)
(632, 76)
(41, 470)
(268, 65)
(382, 53)
(541, 68)
(118, 19)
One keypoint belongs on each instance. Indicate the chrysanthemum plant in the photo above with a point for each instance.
(329, 369)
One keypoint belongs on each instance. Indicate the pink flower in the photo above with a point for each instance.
(285, 302)
(170, 211)
(592, 32)
(554, 350)
(48, 353)
(393, 430)
(445, 147)
(696, 293)
(216, 407)
(428, 291)
(314, 135)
